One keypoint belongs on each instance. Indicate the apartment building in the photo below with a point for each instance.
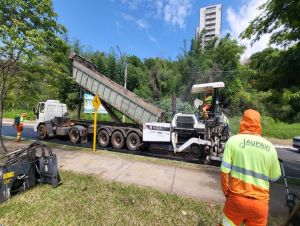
(210, 23)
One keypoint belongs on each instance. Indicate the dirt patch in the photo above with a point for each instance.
(280, 141)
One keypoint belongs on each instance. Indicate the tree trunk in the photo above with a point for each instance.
(3, 149)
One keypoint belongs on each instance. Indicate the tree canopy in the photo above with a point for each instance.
(28, 31)
(279, 18)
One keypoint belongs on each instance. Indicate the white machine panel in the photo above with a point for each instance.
(157, 132)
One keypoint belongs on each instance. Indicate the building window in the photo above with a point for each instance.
(212, 7)
(209, 35)
(210, 25)
(210, 14)
(210, 30)
(210, 19)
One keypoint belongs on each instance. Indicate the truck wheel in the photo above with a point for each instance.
(74, 135)
(133, 141)
(103, 138)
(117, 140)
(198, 151)
(42, 132)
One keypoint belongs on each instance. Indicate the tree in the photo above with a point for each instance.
(279, 17)
(28, 28)
(278, 72)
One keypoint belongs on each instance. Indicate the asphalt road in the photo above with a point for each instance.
(290, 157)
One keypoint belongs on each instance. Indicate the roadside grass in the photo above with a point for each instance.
(88, 200)
(271, 128)
(12, 113)
(290, 181)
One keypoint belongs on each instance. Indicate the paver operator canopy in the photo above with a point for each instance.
(112, 94)
(211, 91)
(203, 88)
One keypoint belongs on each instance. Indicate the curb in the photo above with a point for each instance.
(285, 147)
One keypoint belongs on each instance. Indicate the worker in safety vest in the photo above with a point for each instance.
(20, 126)
(249, 163)
(207, 103)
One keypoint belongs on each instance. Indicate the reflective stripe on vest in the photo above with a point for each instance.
(246, 175)
(251, 159)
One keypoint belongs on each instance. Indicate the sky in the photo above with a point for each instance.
(150, 28)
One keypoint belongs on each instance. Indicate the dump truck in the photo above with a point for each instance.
(186, 133)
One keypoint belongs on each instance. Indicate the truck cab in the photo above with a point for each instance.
(47, 111)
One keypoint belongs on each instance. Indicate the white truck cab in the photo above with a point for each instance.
(46, 111)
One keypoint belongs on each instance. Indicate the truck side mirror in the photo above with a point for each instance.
(35, 111)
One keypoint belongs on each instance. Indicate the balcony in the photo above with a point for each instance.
(211, 19)
(210, 14)
(209, 24)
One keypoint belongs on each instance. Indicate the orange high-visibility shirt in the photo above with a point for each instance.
(249, 162)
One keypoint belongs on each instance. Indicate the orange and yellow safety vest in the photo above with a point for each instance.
(251, 162)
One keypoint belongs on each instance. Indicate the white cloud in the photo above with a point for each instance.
(239, 20)
(142, 23)
(118, 25)
(150, 37)
(127, 17)
(172, 12)
(139, 22)
(133, 4)
(158, 5)
(175, 12)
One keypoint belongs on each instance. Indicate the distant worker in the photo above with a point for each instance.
(19, 123)
(207, 103)
(249, 163)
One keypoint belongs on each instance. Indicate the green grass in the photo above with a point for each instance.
(271, 128)
(87, 200)
(12, 113)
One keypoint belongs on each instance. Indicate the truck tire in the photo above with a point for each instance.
(197, 151)
(74, 135)
(103, 138)
(117, 140)
(42, 131)
(133, 141)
